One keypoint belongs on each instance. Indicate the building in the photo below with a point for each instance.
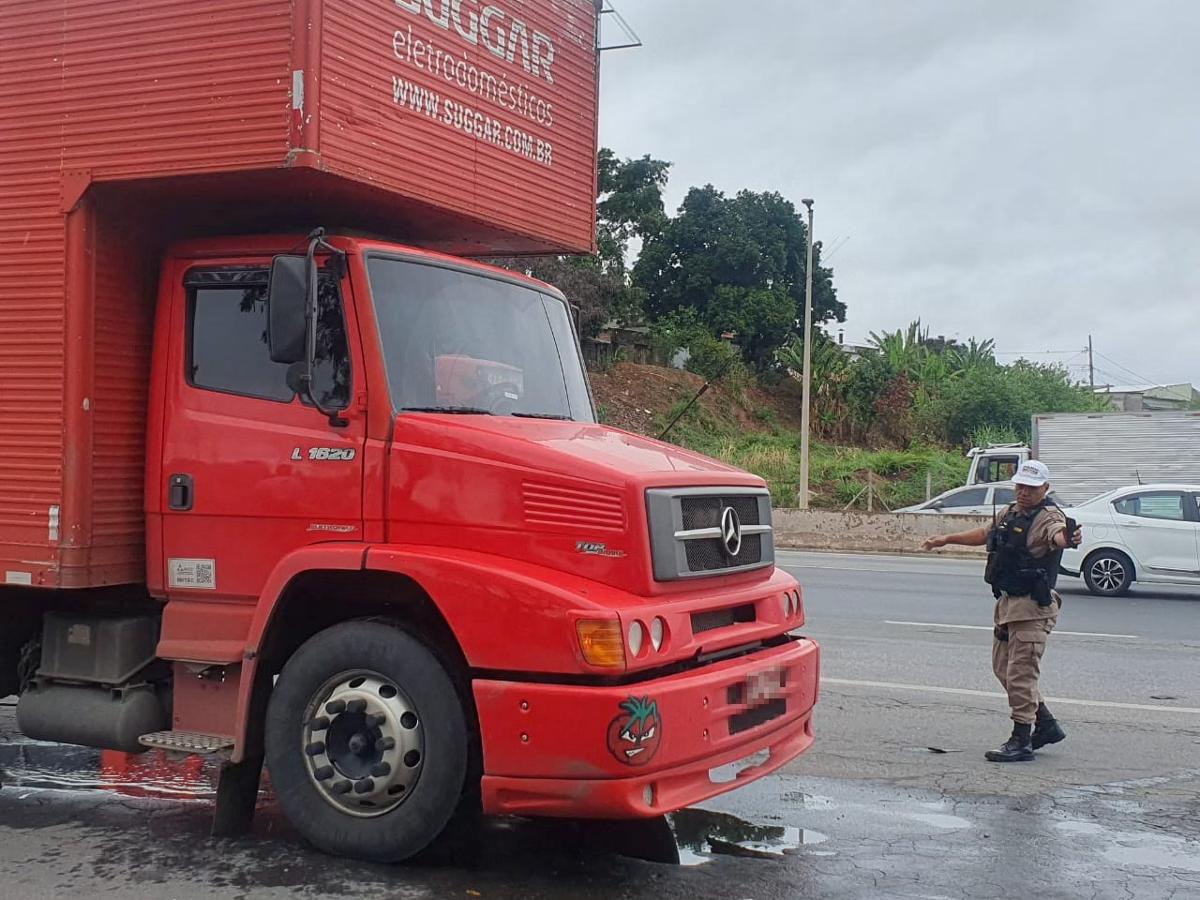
(1148, 397)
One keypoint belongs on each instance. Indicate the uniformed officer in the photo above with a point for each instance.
(1025, 547)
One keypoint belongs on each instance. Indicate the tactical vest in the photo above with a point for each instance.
(1011, 568)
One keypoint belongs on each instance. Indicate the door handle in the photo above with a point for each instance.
(181, 495)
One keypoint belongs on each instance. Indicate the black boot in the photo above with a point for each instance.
(1047, 730)
(1018, 748)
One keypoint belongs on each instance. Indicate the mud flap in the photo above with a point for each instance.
(237, 796)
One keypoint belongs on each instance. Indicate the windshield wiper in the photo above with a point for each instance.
(554, 416)
(453, 410)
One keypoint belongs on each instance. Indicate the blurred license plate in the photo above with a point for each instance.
(763, 686)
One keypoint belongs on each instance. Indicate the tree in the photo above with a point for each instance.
(831, 369)
(629, 205)
(719, 251)
(761, 319)
(904, 352)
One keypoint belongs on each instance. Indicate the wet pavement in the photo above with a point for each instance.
(75, 821)
(870, 812)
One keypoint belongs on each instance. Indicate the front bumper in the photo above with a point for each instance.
(565, 750)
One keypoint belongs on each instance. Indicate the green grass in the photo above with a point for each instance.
(837, 475)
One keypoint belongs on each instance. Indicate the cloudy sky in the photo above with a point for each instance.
(1028, 171)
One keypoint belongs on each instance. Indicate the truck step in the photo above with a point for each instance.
(186, 742)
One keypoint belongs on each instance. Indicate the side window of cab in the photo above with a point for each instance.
(227, 347)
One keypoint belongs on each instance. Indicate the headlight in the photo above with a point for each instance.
(637, 638)
(658, 631)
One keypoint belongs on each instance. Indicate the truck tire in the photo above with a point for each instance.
(366, 742)
(1108, 573)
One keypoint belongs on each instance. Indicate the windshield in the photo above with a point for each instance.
(459, 342)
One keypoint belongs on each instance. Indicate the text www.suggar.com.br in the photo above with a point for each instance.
(471, 122)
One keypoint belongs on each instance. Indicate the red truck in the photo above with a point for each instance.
(339, 501)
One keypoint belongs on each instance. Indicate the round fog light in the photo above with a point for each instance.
(786, 602)
(637, 637)
(648, 794)
(658, 630)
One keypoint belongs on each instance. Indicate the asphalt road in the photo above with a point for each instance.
(906, 663)
(871, 812)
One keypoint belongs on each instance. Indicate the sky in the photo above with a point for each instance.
(1018, 170)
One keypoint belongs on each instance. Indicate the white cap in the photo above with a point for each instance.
(1032, 473)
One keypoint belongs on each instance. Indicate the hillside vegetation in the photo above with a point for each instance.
(760, 431)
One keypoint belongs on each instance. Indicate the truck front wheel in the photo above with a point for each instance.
(366, 742)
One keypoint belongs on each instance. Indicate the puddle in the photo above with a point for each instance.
(34, 764)
(808, 801)
(1177, 855)
(702, 834)
(939, 820)
(1138, 848)
(689, 837)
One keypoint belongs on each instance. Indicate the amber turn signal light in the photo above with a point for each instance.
(601, 642)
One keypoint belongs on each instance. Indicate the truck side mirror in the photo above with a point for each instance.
(287, 296)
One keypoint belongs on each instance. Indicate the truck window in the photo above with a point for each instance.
(998, 468)
(227, 341)
(463, 340)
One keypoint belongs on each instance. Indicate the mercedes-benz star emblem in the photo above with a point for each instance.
(731, 531)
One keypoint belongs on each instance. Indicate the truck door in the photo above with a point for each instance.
(249, 471)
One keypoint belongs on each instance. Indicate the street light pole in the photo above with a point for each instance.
(804, 419)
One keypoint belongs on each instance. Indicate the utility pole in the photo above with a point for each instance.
(807, 397)
(1091, 368)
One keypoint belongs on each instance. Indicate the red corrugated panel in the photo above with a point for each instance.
(124, 320)
(32, 242)
(185, 109)
(153, 88)
(88, 92)
(406, 85)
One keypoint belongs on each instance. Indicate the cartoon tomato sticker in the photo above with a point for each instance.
(635, 734)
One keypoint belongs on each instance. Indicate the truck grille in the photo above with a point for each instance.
(705, 512)
(688, 537)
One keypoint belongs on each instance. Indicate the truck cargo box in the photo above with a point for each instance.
(468, 127)
(1089, 453)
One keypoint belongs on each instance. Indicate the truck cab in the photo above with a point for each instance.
(339, 503)
(428, 574)
(996, 462)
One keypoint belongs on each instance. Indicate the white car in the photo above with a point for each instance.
(1149, 533)
(976, 500)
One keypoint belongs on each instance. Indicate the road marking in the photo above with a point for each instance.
(1126, 637)
(964, 692)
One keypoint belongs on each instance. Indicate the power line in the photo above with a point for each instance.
(1128, 371)
(1113, 378)
(1037, 352)
(838, 245)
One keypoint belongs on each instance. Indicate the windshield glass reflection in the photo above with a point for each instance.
(458, 342)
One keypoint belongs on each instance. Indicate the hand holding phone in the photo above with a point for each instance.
(1074, 535)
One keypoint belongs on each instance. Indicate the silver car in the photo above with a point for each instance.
(976, 500)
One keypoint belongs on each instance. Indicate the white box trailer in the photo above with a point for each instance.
(1089, 453)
